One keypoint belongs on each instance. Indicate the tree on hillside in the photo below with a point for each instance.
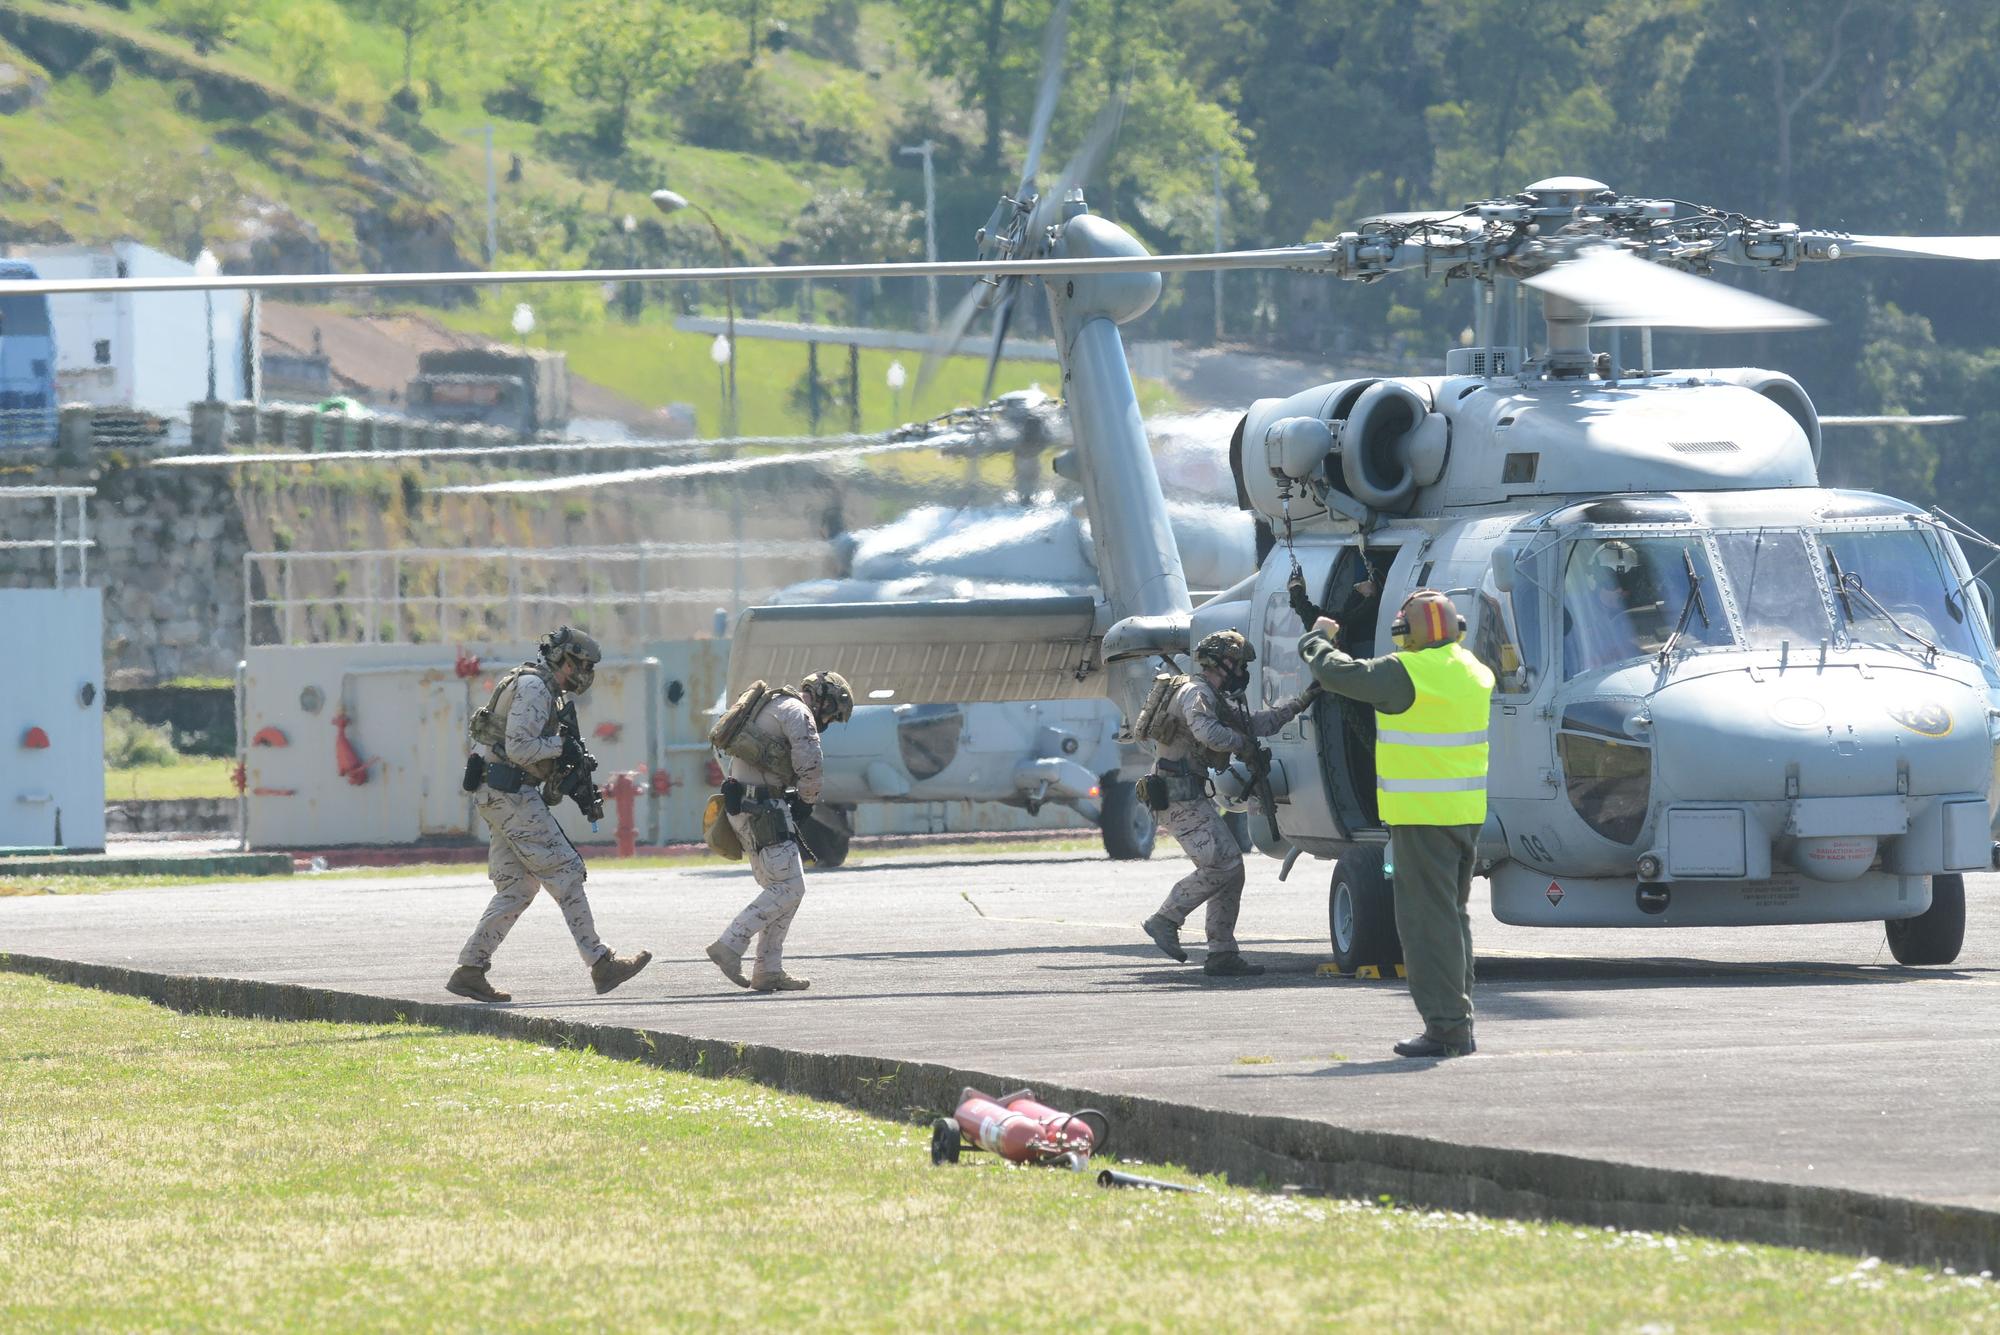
(621, 51)
(206, 23)
(415, 20)
(992, 48)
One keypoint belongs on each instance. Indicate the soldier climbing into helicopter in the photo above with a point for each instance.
(1196, 724)
(1432, 699)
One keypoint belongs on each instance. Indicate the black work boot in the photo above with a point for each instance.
(1423, 1045)
(1166, 936)
(611, 970)
(1229, 964)
(468, 981)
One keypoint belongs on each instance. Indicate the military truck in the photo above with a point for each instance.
(523, 390)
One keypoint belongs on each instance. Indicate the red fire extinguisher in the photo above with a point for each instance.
(1020, 1130)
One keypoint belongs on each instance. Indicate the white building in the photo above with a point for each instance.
(142, 350)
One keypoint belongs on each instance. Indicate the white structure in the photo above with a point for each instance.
(52, 712)
(142, 350)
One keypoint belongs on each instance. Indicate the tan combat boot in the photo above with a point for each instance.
(611, 970)
(467, 981)
(729, 962)
(779, 982)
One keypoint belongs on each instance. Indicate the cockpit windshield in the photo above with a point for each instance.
(1893, 589)
(1624, 598)
(1778, 593)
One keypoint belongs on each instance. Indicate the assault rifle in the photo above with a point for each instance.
(1257, 757)
(576, 780)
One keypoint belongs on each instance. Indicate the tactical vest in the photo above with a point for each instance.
(765, 749)
(1430, 760)
(488, 724)
(1162, 725)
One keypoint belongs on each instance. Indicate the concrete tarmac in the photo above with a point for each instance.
(1798, 1055)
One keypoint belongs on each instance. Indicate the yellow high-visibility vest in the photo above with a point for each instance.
(1430, 760)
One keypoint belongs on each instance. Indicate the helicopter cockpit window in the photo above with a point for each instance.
(1623, 598)
(1777, 593)
(1896, 590)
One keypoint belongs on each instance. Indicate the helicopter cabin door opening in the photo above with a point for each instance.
(1331, 764)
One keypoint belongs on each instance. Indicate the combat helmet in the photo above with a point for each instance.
(567, 643)
(1225, 651)
(829, 696)
(1427, 618)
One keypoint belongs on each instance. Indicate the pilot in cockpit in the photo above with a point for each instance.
(1623, 613)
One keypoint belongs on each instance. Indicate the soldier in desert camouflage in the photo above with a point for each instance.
(517, 758)
(771, 757)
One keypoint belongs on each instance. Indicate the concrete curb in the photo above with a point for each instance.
(246, 865)
(1251, 1149)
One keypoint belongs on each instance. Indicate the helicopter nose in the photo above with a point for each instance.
(1863, 762)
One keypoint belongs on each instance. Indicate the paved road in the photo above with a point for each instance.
(1800, 1055)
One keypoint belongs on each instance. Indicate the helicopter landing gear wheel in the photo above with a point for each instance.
(1361, 913)
(1935, 935)
(1127, 824)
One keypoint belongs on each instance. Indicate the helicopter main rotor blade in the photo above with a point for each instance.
(1620, 290)
(1906, 247)
(1047, 95)
(1310, 257)
(1082, 164)
(950, 334)
(1889, 419)
(1003, 315)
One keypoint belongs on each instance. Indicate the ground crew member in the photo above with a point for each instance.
(771, 780)
(1201, 724)
(518, 756)
(1432, 699)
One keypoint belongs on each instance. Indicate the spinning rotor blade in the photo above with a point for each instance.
(1003, 315)
(1909, 247)
(1046, 96)
(949, 335)
(1618, 290)
(668, 472)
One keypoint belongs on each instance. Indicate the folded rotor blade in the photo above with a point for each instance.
(1915, 247)
(1618, 289)
(1046, 96)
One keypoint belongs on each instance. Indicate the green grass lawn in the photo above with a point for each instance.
(188, 776)
(171, 1171)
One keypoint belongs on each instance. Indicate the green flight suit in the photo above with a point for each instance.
(1433, 863)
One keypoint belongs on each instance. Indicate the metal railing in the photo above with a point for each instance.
(414, 595)
(64, 520)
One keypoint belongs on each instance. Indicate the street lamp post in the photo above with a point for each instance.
(925, 150)
(898, 377)
(207, 266)
(668, 201)
(631, 299)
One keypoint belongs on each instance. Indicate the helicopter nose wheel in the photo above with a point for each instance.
(1361, 913)
(1935, 935)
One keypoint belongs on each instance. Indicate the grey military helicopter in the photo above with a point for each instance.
(1727, 695)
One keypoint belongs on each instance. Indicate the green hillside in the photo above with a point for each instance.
(276, 134)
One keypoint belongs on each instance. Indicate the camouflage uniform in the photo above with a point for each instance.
(1206, 741)
(779, 869)
(528, 850)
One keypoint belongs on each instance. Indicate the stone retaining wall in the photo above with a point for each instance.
(180, 815)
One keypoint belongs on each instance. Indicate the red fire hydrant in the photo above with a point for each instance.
(623, 790)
